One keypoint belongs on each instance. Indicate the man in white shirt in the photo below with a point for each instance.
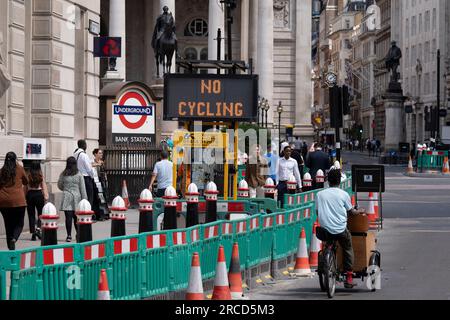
(163, 173)
(85, 168)
(334, 205)
(287, 167)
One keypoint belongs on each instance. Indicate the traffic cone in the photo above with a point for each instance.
(445, 168)
(353, 201)
(235, 276)
(315, 248)
(302, 267)
(103, 289)
(376, 215)
(371, 215)
(410, 166)
(195, 288)
(221, 284)
(125, 194)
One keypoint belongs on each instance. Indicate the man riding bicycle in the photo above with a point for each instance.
(334, 205)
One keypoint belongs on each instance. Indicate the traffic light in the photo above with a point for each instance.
(107, 47)
(336, 117)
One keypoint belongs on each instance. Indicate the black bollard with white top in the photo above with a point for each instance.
(243, 190)
(192, 206)
(270, 189)
(307, 182)
(292, 185)
(49, 219)
(84, 221)
(320, 179)
(146, 211)
(118, 217)
(170, 209)
(211, 195)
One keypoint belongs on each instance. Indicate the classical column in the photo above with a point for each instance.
(216, 20)
(245, 29)
(265, 54)
(303, 82)
(253, 41)
(117, 28)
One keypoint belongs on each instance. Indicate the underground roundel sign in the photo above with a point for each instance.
(133, 119)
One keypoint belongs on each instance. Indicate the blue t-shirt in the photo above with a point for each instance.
(333, 204)
(272, 161)
(164, 174)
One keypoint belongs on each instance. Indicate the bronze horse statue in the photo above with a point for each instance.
(165, 42)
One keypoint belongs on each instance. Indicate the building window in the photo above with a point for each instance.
(196, 28)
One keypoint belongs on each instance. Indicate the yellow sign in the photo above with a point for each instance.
(199, 139)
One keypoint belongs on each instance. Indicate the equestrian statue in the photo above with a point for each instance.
(164, 41)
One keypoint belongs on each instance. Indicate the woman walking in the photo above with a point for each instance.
(71, 183)
(12, 198)
(36, 196)
(100, 205)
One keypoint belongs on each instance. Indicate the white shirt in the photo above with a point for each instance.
(84, 163)
(332, 205)
(287, 168)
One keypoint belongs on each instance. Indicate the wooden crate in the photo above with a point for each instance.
(362, 247)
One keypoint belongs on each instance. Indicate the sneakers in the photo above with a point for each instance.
(33, 237)
(69, 239)
(348, 284)
(12, 245)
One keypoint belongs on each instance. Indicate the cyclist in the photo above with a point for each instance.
(334, 205)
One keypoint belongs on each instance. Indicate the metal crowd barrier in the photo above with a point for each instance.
(155, 265)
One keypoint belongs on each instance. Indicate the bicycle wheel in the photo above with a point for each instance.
(322, 282)
(320, 270)
(330, 274)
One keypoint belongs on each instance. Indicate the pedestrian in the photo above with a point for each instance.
(356, 145)
(374, 147)
(163, 173)
(72, 183)
(12, 198)
(287, 167)
(272, 161)
(256, 170)
(369, 147)
(304, 150)
(317, 160)
(298, 144)
(36, 196)
(350, 145)
(84, 166)
(378, 144)
(334, 206)
(297, 155)
(100, 205)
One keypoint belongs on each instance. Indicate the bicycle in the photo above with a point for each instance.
(329, 273)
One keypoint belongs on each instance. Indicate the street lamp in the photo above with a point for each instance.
(259, 107)
(280, 111)
(267, 108)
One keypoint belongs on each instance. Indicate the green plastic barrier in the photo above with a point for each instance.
(155, 264)
(254, 242)
(93, 259)
(266, 205)
(241, 230)
(431, 160)
(267, 235)
(27, 277)
(179, 259)
(209, 248)
(226, 240)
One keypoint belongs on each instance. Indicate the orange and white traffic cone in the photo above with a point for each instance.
(125, 194)
(302, 267)
(235, 276)
(353, 201)
(315, 248)
(410, 166)
(445, 168)
(221, 284)
(195, 288)
(371, 214)
(103, 289)
(373, 222)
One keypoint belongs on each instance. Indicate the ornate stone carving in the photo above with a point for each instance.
(281, 9)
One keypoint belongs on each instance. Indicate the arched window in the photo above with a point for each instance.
(190, 54)
(196, 28)
(204, 54)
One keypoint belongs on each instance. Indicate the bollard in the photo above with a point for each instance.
(320, 180)
(192, 205)
(49, 227)
(243, 191)
(84, 221)
(146, 211)
(211, 194)
(307, 182)
(292, 185)
(269, 189)
(170, 209)
(118, 217)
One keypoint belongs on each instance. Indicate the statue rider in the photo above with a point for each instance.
(164, 20)
(393, 61)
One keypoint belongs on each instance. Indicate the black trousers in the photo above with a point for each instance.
(89, 184)
(160, 193)
(70, 216)
(14, 220)
(35, 202)
(282, 190)
(345, 241)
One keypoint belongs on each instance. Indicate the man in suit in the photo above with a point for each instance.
(317, 160)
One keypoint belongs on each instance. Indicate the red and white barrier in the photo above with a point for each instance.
(58, 256)
(125, 246)
(156, 241)
(94, 252)
(28, 260)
